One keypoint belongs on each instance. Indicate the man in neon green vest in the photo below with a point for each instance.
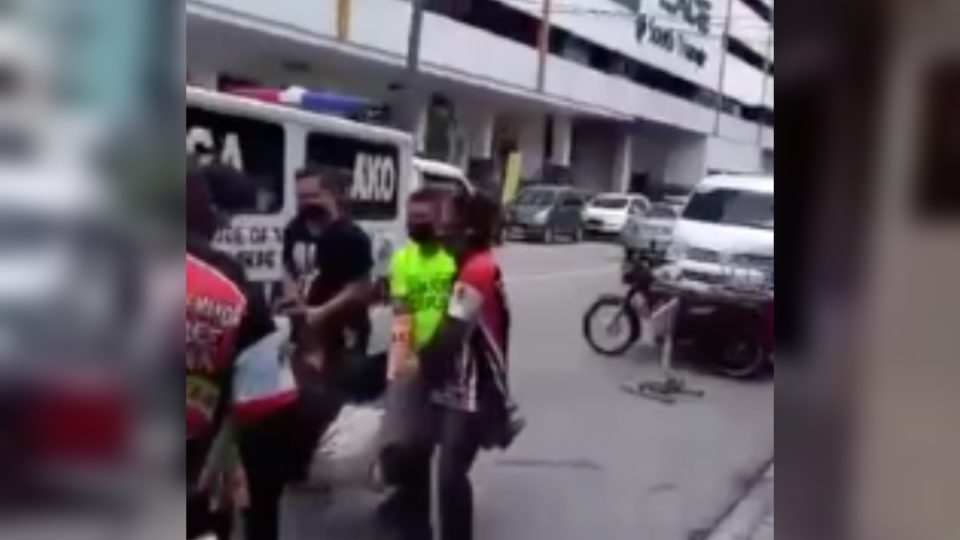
(422, 274)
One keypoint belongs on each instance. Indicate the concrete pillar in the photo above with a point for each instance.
(562, 140)
(530, 134)
(687, 161)
(623, 162)
(478, 126)
(420, 112)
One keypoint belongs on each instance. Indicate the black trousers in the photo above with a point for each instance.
(201, 521)
(278, 450)
(407, 512)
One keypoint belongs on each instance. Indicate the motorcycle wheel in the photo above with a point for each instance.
(610, 326)
(742, 356)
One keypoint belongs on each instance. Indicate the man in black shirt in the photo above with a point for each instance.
(325, 250)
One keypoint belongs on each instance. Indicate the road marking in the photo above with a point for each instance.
(576, 464)
(561, 275)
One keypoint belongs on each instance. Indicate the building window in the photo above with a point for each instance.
(761, 8)
(748, 55)
(491, 16)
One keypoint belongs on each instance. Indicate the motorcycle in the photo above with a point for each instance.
(735, 331)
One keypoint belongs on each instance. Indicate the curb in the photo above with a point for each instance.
(750, 512)
(747, 513)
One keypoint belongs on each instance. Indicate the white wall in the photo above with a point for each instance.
(742, 81)
(768, 96)
(767, 138)
(738, 129)
(727, 155)
(622, 98)
(376, 24)
(468, 51)
(687, 161)
(319, 18)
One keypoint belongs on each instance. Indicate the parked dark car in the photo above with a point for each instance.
(546, 213)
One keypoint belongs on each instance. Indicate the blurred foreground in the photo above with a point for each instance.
(90, 271)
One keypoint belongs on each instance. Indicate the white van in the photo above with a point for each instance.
(428, 172)
(725, 232)
(270, 143)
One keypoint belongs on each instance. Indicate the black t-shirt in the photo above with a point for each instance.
(341, 254)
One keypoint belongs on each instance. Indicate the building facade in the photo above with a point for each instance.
(611, 95)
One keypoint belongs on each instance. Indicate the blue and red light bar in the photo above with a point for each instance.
(301, 98)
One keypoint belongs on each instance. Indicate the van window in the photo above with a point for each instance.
(731, 207)
(254, 146)
(446, 182)
(375, 169)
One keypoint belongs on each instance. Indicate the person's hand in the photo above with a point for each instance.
(287, 303)
(312, 316)
(316, 316)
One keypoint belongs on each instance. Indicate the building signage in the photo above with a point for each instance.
(695, 15)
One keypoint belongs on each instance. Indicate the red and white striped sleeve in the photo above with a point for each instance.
(263, 380)
(473, 286)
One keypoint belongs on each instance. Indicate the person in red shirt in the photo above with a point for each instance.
(226, 317)
(465, 366)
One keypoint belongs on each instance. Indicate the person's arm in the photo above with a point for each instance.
(356, 293)
(399, 286)
(357, 259)
(463, 312)
(291, 275)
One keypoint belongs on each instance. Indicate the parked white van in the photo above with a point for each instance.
(270, 142)
(428, 172)
(725, 232)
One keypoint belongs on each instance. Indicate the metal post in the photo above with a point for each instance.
(343, 19)
(413, 65)
(723, 68)
(663, 321)
(543, 44)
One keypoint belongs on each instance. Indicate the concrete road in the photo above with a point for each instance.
(594, 462)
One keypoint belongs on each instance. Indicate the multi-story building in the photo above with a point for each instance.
(607, 94)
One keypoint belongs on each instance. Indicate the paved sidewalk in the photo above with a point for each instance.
(752, 518)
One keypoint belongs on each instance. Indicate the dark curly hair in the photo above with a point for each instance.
(479, 216)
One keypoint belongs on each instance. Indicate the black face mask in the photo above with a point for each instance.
(315, 216)
(422, 233)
